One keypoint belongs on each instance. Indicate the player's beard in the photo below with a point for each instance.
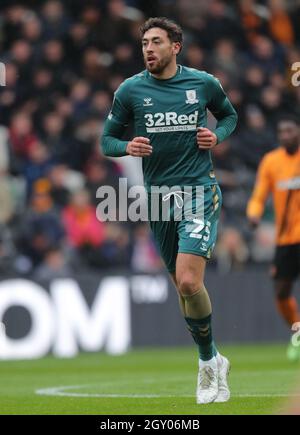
(291, 147)
(159, 66)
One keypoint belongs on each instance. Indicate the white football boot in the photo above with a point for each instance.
(207, 386)
(223, 369)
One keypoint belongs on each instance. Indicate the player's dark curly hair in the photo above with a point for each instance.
(173, 30)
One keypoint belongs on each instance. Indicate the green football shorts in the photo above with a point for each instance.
(197, 236)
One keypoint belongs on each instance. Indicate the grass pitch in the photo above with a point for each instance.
(147, 381)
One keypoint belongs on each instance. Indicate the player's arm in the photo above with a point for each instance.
(262, 189)
(115, 125)
(223, 111)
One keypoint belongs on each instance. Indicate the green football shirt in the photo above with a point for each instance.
(168, 112)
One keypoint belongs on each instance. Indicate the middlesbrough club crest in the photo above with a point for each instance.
(191, 97)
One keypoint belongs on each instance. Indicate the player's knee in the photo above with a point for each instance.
(188, 284)
(283, 290)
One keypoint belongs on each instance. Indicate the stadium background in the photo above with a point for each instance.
(64, 60)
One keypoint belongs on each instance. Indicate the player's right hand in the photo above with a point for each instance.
(139, 147)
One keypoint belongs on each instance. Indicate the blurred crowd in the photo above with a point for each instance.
(64, 60)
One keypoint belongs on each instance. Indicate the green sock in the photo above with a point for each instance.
(202, 334)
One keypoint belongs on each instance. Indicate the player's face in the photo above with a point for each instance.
(158, 50)
(288, 134)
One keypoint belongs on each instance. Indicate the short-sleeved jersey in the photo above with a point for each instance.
(279, 174)
(168, 112)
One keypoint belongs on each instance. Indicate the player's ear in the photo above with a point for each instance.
(176, 47)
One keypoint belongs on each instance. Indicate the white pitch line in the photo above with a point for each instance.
(61, 392)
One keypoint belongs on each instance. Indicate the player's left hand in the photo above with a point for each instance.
(206, 139)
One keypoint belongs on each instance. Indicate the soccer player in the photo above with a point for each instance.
(279, 175)
(168, 105)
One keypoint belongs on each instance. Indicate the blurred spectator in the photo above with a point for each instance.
(267, 55)
(32, 31)
(226, 58)
(223, 77)
(114, 28)
(7, 252)
(13, 18)
(221, 24)
(64, 108)
(101, 172)
(237, 98)
(235, 182)
(80, 222)
(40, 227)
(279, 81)
(253, 18)
(262, 246)
(115, 250)
(101, 103)
(53, 57)
(10, 93)
(21, 137)
(124, 60)
(144, 257)
(53, 136)
(42, 85)
(231, 250)
(76, 42)
(254, 81)
(91, 17)
(56, 22)
(80, 98)
(64, 181)
(296, 18)
(100, 245)
(114, 82)
(255, 139)
(53, 266)
(21, 54)
(271, 103)
(194, 57)
(224, 164)
(281, 26)
(86, 134)
(38, 164)
(94, 66)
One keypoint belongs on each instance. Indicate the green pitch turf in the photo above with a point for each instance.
(152, 381)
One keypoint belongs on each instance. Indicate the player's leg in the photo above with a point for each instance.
(190, 270)
(288, 309)
(285, 272)
(197, 312)
(196, 242)
(286, 303)
(189, 277)
(166, 235)
(181, 300)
